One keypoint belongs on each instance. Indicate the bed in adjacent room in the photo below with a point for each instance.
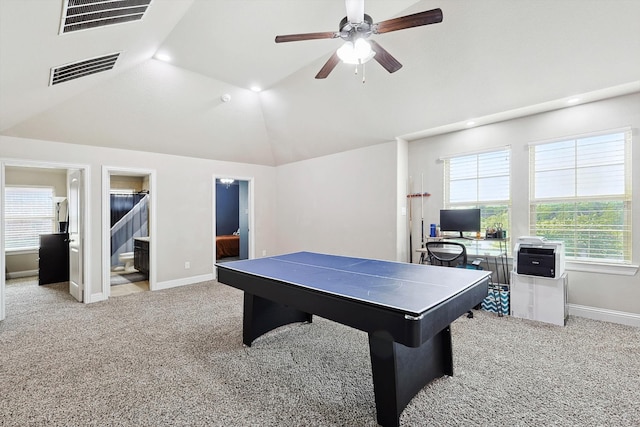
(227, 246)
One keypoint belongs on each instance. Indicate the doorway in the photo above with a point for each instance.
(128, 226)
(233, 219)
(56, 255)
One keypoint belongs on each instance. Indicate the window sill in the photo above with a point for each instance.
(591, 267)
(21, 251)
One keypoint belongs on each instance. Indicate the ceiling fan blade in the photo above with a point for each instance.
(433, 16)
(384, 58)
(355, 11)
(328, 66)
(307, 36)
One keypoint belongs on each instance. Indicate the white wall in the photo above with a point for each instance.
(342, 204)
(602, 291)
(347, 203)
(184, 201)
(56, 178)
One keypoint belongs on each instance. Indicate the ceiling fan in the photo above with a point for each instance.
(355, 28)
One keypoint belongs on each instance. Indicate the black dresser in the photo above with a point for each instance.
(53, 258)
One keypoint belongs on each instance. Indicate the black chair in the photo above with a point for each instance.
(451, 254)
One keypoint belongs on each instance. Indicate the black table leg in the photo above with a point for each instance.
(400, 372)
(262, 315)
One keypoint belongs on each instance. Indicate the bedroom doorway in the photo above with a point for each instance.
(233, 216)
(38, 253)
(128, 224)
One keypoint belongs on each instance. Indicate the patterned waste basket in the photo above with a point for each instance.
(497, 300)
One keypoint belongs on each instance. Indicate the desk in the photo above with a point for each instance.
(477, 248)
(406, 309)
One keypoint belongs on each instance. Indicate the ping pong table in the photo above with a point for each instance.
(406, 309)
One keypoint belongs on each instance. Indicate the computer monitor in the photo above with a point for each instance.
(460, 220)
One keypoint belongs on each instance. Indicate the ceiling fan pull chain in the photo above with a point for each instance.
(363, 71)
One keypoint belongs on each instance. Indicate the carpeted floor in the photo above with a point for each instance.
(175, 358)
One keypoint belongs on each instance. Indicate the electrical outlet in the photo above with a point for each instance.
(264, 252)
(187, 265)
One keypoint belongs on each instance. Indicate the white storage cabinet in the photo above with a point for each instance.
(539, 298)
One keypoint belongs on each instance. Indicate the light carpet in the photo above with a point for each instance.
(175, 358)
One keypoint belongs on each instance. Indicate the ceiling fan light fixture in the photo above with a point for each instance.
(345, 52)
(355, 53)
(362, 48)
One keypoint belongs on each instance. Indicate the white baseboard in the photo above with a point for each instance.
(621, 317)
(19, 274)
(182, 282)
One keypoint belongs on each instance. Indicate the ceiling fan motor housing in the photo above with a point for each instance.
(350, 31)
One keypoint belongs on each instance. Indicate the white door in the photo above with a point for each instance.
(74, 188)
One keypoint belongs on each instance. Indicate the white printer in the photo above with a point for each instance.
(537, 256)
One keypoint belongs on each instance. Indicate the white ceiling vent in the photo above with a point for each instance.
(84, 14)
(64, 73)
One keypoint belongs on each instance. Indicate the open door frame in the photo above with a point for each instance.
(2, 255)
(250, 196)
(75, 183)
(107, 172)
(86, 220)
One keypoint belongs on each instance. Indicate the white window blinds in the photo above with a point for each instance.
(29, 212)
(477, 178)
(581, 194)
(481, 180)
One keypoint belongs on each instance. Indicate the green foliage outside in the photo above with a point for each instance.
(590, 230)
(494, 217)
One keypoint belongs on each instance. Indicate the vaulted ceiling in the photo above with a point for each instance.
(487, 60)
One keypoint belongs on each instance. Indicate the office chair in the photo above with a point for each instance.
(451, 254)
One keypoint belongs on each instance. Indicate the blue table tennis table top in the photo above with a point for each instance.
(409, 288)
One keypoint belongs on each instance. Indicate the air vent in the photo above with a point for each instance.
(75, 70)
(84, 14)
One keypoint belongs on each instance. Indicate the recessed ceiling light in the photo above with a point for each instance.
(573, 100)
(256, 88)
(163, 57)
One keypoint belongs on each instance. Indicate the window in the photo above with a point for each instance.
(480, 180)
(29, 212)
(581, 194)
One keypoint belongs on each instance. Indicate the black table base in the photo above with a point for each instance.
(399, 372)
(262, 315)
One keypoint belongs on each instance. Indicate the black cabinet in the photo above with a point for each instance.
(141, 255)
(53, 259)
